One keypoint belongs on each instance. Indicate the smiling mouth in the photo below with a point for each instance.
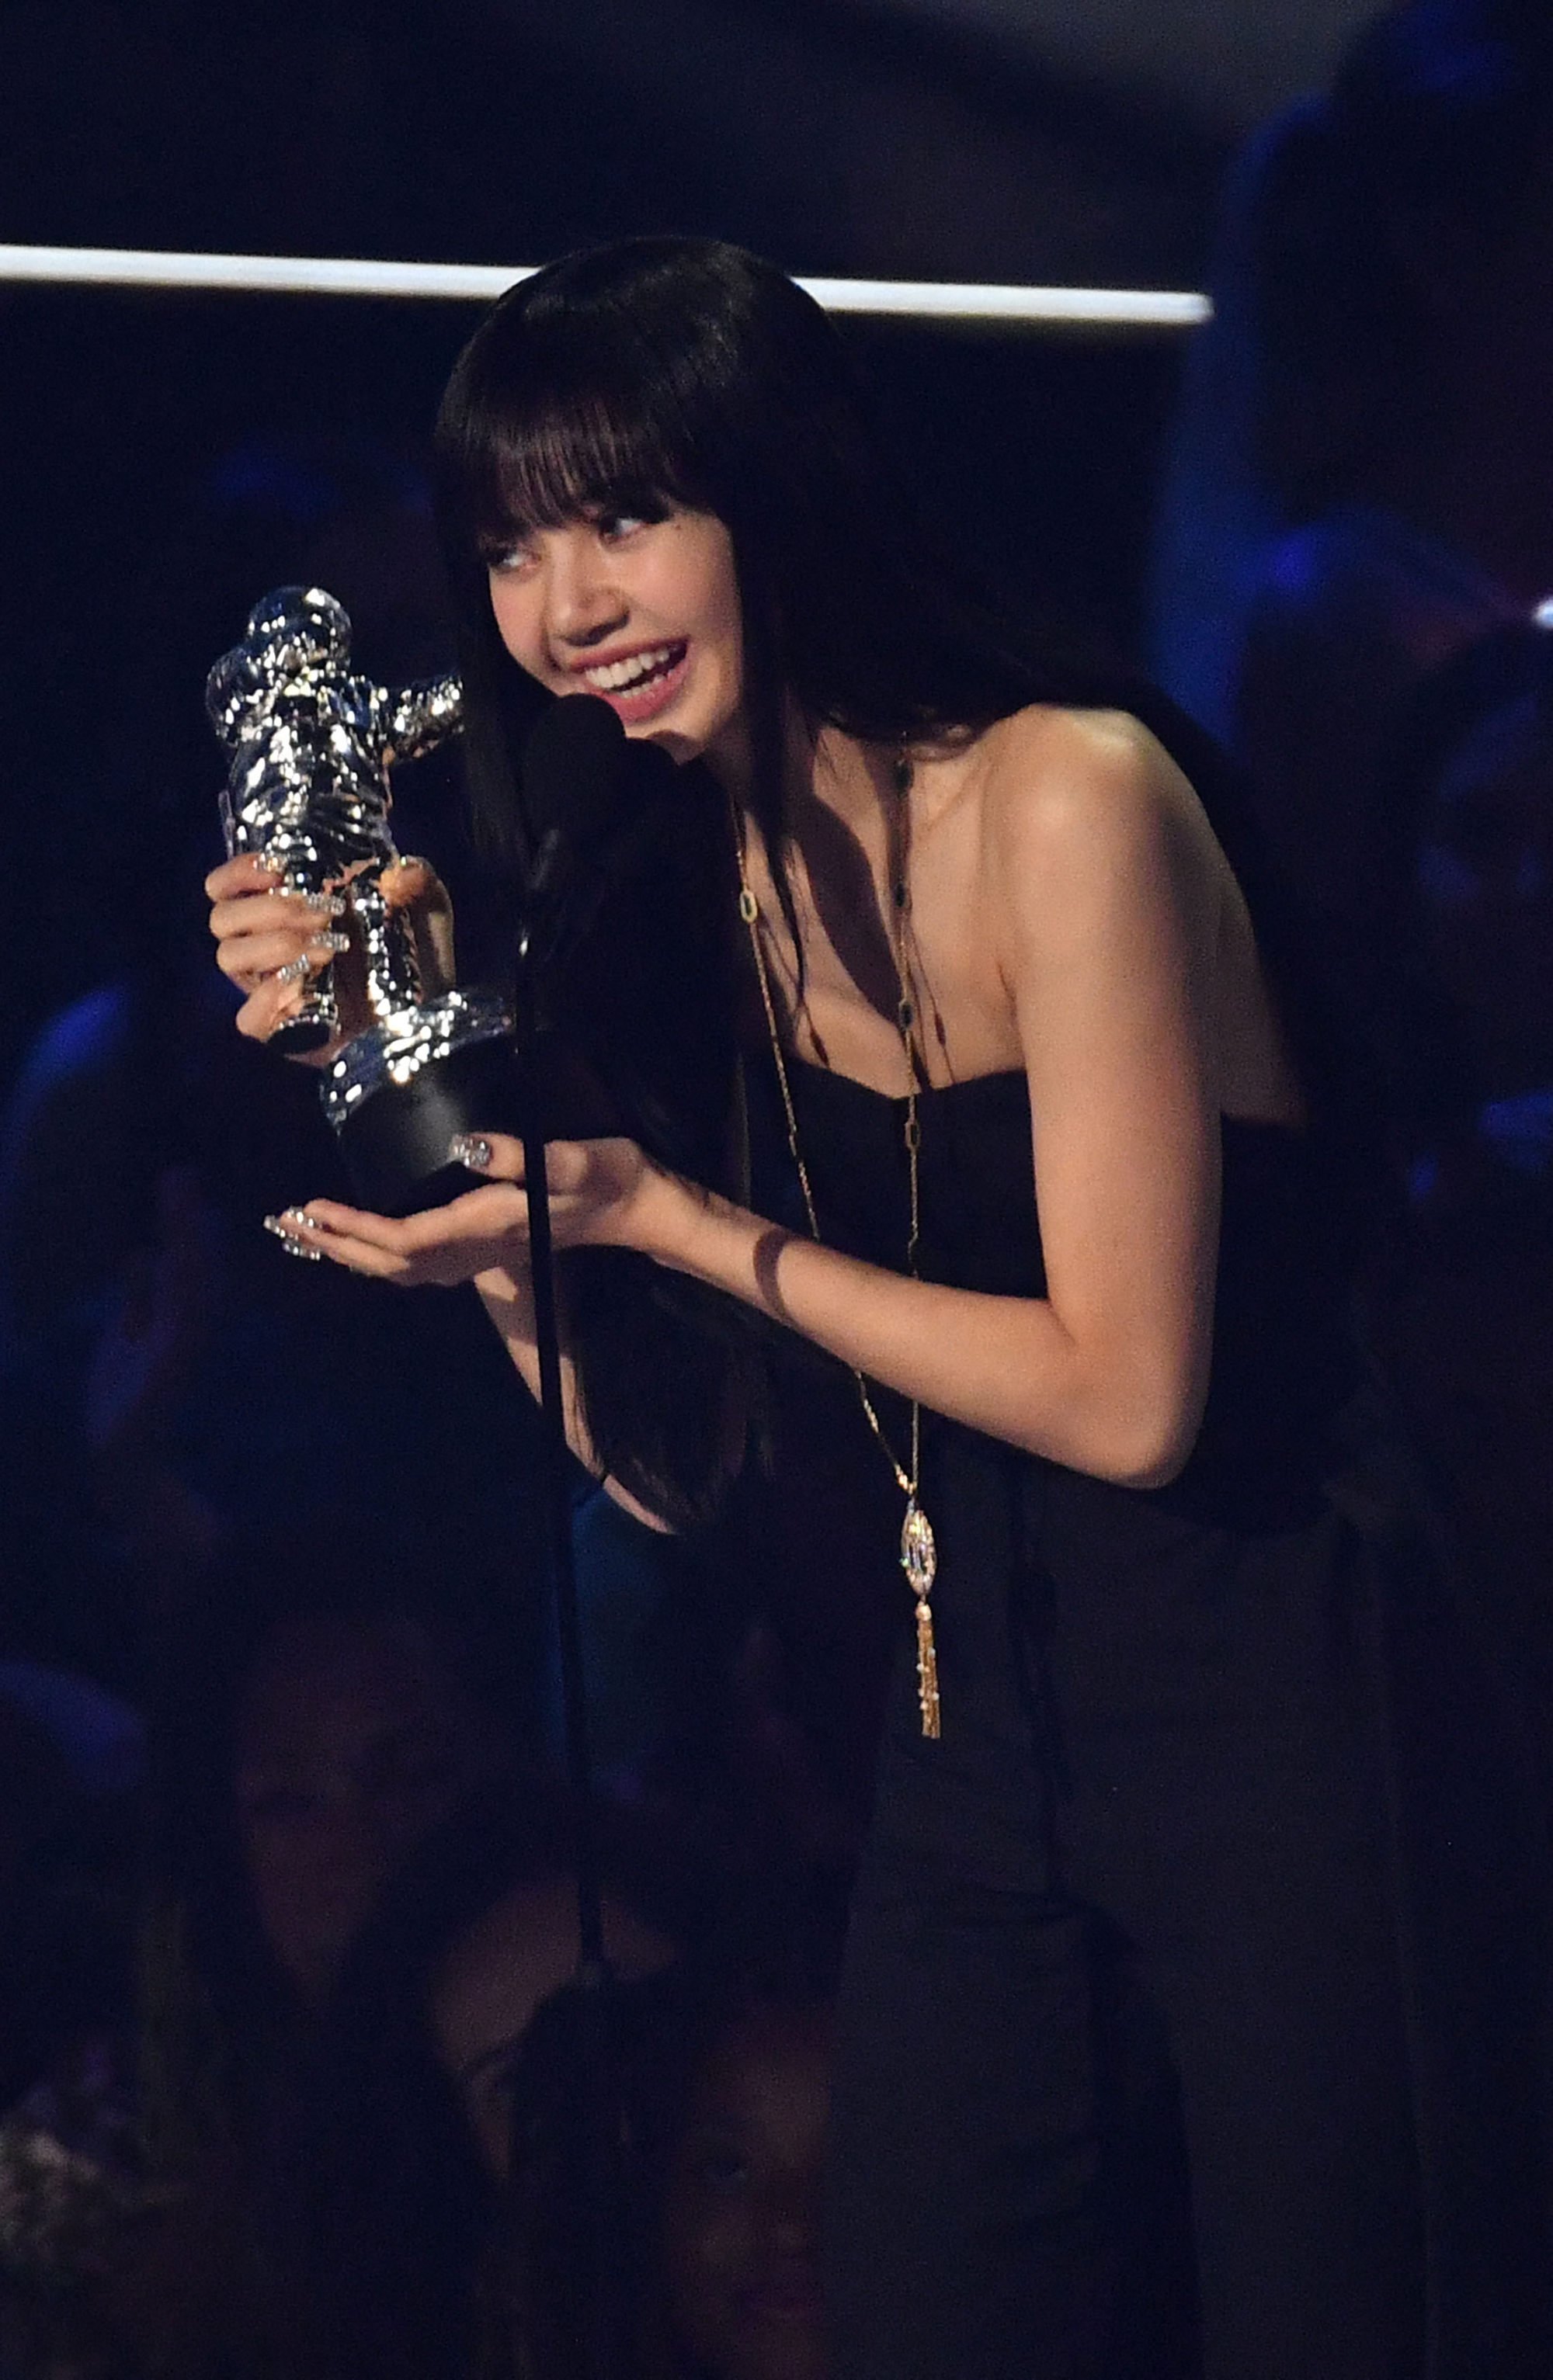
(637, 672)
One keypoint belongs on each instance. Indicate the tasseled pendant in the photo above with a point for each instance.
(919, 1559)
(927, 1673)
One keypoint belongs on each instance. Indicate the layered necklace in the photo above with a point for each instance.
(919, 1556)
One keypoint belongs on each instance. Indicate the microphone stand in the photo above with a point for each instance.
(607, 2247)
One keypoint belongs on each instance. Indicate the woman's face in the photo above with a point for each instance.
(742, 2217)
(354, 1741)
(643, 612)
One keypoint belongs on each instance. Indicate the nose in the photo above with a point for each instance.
(585, 604)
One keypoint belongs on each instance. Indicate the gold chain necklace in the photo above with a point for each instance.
(919, 1554)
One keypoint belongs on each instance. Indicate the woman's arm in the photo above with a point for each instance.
(1103, 888)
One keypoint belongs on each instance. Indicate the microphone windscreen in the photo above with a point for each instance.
(576, 770)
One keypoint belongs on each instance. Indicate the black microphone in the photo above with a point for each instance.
(592, 800)
(594, 803)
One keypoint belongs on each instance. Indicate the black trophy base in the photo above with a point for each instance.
(394, 1143)
(296, 1036)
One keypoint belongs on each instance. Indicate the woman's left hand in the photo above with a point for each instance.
(599, 1190)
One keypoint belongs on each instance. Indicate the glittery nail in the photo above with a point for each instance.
(289, 1240)
(470, 1149)
(331, 943)
(295, 969)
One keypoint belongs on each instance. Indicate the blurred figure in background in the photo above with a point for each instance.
(1356, 551)
(384, 2228)
(1362, 484)
(723, 2068)
(70, 2179)
(1464, 1318)
(305, 1748)
(741, 2218)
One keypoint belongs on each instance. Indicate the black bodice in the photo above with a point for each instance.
(1282, 1363)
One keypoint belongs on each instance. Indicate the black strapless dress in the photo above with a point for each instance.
(1189, 2027)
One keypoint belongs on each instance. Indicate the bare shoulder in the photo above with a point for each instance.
(1069, 787)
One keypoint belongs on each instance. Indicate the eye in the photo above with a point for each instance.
(716, 2164)
(627, 516)
(508, 557)
(614, 527)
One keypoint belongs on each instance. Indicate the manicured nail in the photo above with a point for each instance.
(331, 943)
(320, 905)
(470, 1149)
(289, 1240)
(295, 969)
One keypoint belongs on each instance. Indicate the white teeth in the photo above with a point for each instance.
(614, 676)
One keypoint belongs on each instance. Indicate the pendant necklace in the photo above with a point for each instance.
(918, 1555)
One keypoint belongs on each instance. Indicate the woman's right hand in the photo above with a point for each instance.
(262, 930)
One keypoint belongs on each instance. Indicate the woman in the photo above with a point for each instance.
(1145, 2059)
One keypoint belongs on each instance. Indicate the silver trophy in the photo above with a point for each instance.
(311, 745)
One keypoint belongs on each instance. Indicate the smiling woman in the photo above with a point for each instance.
(640, 607)
(1018, 1241)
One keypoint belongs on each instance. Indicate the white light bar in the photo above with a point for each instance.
(349, 276)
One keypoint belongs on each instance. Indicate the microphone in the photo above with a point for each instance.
(591, 798)
(594, 802)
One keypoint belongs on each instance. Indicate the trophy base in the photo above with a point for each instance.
(297, 1034)
(398, 1094)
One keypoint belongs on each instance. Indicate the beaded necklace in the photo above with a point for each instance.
(918, 1555)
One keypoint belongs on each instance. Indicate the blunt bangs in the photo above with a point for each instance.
(558, 412)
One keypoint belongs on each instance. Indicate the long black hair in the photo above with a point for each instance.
(690, 372)
(686, 373)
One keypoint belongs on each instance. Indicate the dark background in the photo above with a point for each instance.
(997, 140)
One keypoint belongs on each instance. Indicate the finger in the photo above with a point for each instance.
(267, 1006)
(499, 1157)
(299, 1239)
(256, 956)
(411, 882)
(478, 1214)
(268, 910)
(495, 1155)
(248, 872)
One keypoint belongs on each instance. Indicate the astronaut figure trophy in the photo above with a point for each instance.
(311, 744)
